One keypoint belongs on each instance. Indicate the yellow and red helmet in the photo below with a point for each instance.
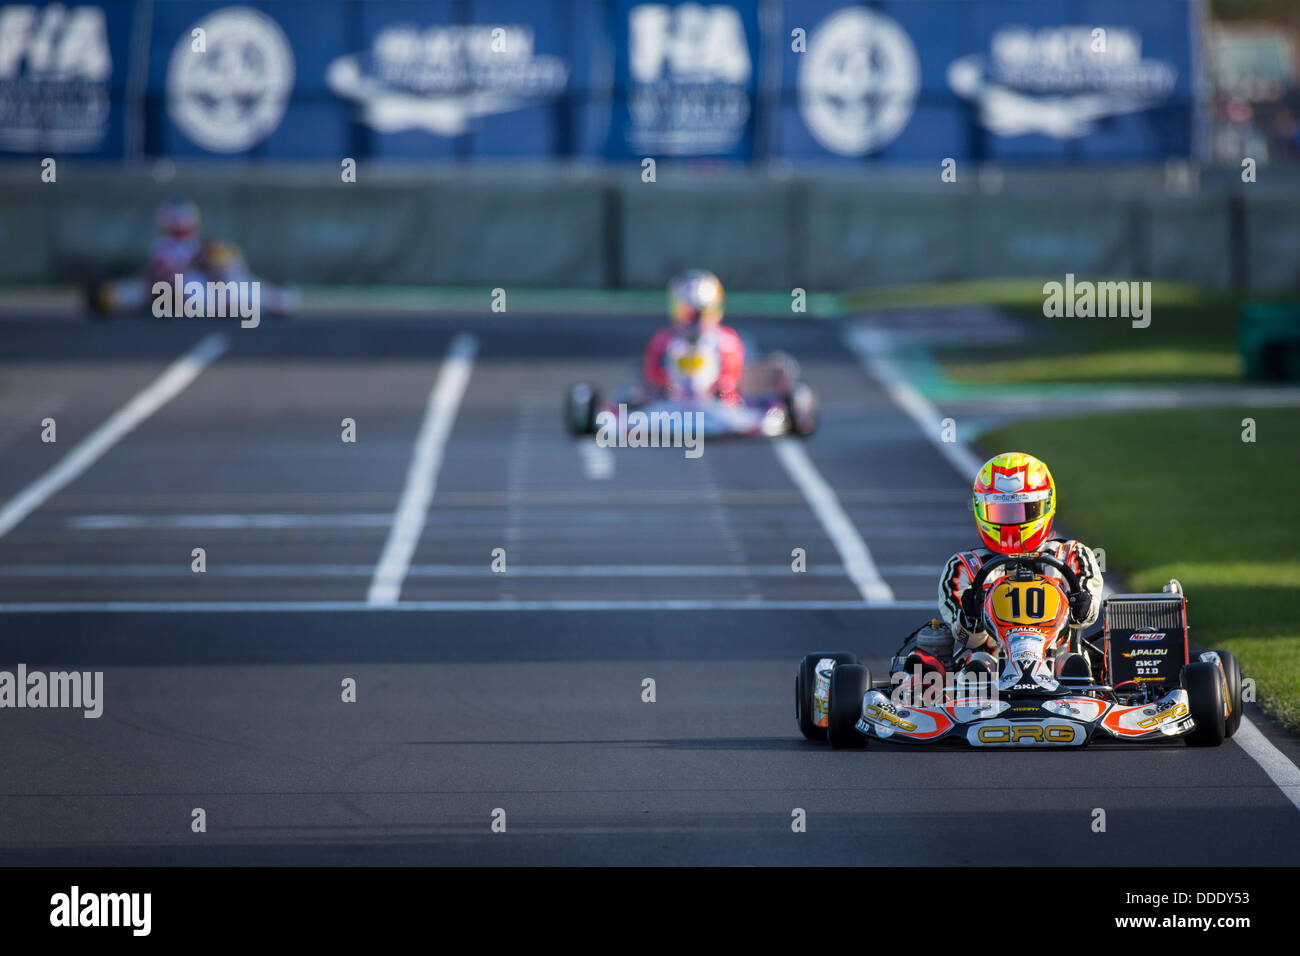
(1014, 502)
(696, 296)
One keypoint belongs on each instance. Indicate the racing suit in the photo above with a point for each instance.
(171, 256)
(723, 339)
(960, 571)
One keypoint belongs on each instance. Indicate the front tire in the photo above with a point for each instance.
(1204, 688)
(1232, 674)
(849, 684)
(805, 683)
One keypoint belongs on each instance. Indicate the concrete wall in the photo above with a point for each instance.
(594, 228)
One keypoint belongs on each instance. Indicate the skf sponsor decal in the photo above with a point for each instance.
(1026, 733)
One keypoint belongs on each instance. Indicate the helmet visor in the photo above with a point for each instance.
(1015, 508)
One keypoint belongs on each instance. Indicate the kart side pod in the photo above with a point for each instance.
(1146, 639)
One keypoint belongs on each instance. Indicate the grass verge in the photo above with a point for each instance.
(1192, 336)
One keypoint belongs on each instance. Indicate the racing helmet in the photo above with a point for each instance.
(179, 219)
(696, 298)
(1014, 502)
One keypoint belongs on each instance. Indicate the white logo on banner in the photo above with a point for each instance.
(690, 70)
(232, 95)
(55, 67)
(438, 79)
(858, 81)
(1055, 81)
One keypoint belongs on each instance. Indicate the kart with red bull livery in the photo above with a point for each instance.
(1046, 686)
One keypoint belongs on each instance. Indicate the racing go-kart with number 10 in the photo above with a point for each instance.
(1038, 691)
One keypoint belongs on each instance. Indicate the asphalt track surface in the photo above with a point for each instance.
(519, 691)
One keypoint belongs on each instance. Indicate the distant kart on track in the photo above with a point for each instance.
(222, 262)
(1039, 690)
(773, 399)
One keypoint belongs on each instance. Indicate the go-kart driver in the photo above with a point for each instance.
(1014, 503)
(696, 300)
(177, 249)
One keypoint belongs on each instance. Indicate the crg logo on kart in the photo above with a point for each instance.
(232, 94)
(1003, 733)
(1171, 710)
(883, 714)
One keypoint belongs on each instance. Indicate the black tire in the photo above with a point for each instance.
(805, 395)
(849, 683)
(96, 304)
(581, 403)
(1204, 689)
(1232, 673)
(805, 682)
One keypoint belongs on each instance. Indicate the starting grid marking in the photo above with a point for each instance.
(94, 446)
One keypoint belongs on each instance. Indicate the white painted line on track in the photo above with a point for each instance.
(597, 460)
(1276, 764)
(230, 522)
(874, 348)
(422, 476)
(93, 447)
(209, 607)
(859, 566)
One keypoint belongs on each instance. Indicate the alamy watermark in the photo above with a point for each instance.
(657, 429)
(82, 690)
(1086, 299)
(205, 300)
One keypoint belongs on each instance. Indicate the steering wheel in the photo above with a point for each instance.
(1032, 561)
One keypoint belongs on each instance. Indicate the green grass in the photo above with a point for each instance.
(1179, 494)
(1192, 338)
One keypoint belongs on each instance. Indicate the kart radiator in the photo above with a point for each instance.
(1145, 639)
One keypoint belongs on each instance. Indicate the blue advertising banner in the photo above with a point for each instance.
(1051, 81)
(1047, 80)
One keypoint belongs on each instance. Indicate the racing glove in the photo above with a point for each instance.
(1080, 606)
(971, 601)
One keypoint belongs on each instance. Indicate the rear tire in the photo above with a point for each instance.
(849, 684)
(1204, 689)
(581, 403)
(805, 683)
(1232, 673)
(801, 410)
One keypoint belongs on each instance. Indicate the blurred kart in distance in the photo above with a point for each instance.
(217, 261)
(772, 399)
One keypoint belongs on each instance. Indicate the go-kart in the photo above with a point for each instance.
(217, 262)
(1046, 686)
(773, 399)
